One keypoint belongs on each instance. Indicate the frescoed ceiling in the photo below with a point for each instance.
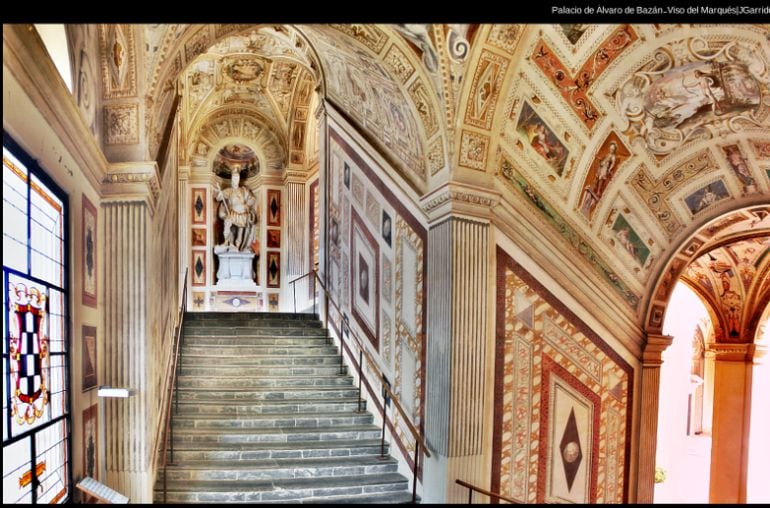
(620, 141)
(614, 143)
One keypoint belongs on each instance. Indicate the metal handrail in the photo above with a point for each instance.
(419, 440)
(471, 488)
(173, 389)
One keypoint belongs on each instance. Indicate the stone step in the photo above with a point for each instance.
(307, 406)
(197, 451)
(263, 340)
(236, 315)
(275, 469)
(276, 328)
(260, 394)
(256, 370)
(240, 360)
(284, 382)
(404, 497)
(254, 351)
(288, 490)
(236, 437)
(270, 421)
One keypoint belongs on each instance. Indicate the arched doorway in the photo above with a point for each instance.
(727, 265)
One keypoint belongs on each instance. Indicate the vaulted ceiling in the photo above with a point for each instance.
(620, 142)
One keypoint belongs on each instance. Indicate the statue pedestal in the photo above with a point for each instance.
(235, 270)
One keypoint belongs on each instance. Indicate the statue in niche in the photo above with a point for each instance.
(237, 210)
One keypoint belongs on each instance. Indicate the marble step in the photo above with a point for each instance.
(306, 406)
(261, 394)
(404, 497)
(250, 315)
(273, 469)
(254, 351)
(286, 490)
(264, 340)
(245, 328)
(240, 360)
(256, 370)
(284, 382)
(270, 421)
(197, 451)
(235, 437)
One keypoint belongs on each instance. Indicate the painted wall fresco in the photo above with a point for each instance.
(604, 167)
(363, 86)
(381, 285)
(541, 138)
(567, 231)
(562, 418)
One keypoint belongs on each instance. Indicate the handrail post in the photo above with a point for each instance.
(314, 294)
(470, 495)
(165, 488)
(342, 343)
(294, 290)
(414, 473)
(360, 361)
(326, 310)
(382, 441)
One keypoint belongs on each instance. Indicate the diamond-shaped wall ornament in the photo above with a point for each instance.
(571, 452)
(274, 206)
(273, 268)
(199, 267)
(198, 205)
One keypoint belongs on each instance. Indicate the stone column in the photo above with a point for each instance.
(130, 192)
(730, 423)
(652, 358)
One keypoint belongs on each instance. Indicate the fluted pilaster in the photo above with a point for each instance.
(127, 432)
(296, 230)
(652, 359)
(458, 268)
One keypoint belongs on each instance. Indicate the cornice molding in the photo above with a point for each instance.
(25, 56)
(132, 181)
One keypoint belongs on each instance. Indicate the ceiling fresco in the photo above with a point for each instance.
(618, 142)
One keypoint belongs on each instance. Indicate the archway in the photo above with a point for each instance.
(727, 265)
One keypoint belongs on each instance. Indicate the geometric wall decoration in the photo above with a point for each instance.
(273, 207)
(365, 276)
(562, 400)
(274, 238)
(89, 268)
(198, 268)
(198, 206)
(121, 124)
(273, 269)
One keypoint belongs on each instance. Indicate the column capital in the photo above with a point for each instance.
(460, 199)
(132, 181)
(733, 352)
(652, 356)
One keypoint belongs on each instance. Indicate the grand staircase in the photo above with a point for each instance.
(265, 416)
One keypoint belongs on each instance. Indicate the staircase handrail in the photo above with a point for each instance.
(172, 396)
(471, 488)
(419, 439)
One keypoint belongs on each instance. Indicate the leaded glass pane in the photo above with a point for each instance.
(46, 242)
(14, 215)
(17, 475)
(50, 446)
(30, 370)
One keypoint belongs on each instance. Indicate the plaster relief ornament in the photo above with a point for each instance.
(118, 59)
(696, 89)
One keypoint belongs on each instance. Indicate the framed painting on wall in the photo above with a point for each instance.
(89, 253)
(273, 207)
(365, 276)
(88, 356)
(91, 442)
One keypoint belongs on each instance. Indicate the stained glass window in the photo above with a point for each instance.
(36, 421)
